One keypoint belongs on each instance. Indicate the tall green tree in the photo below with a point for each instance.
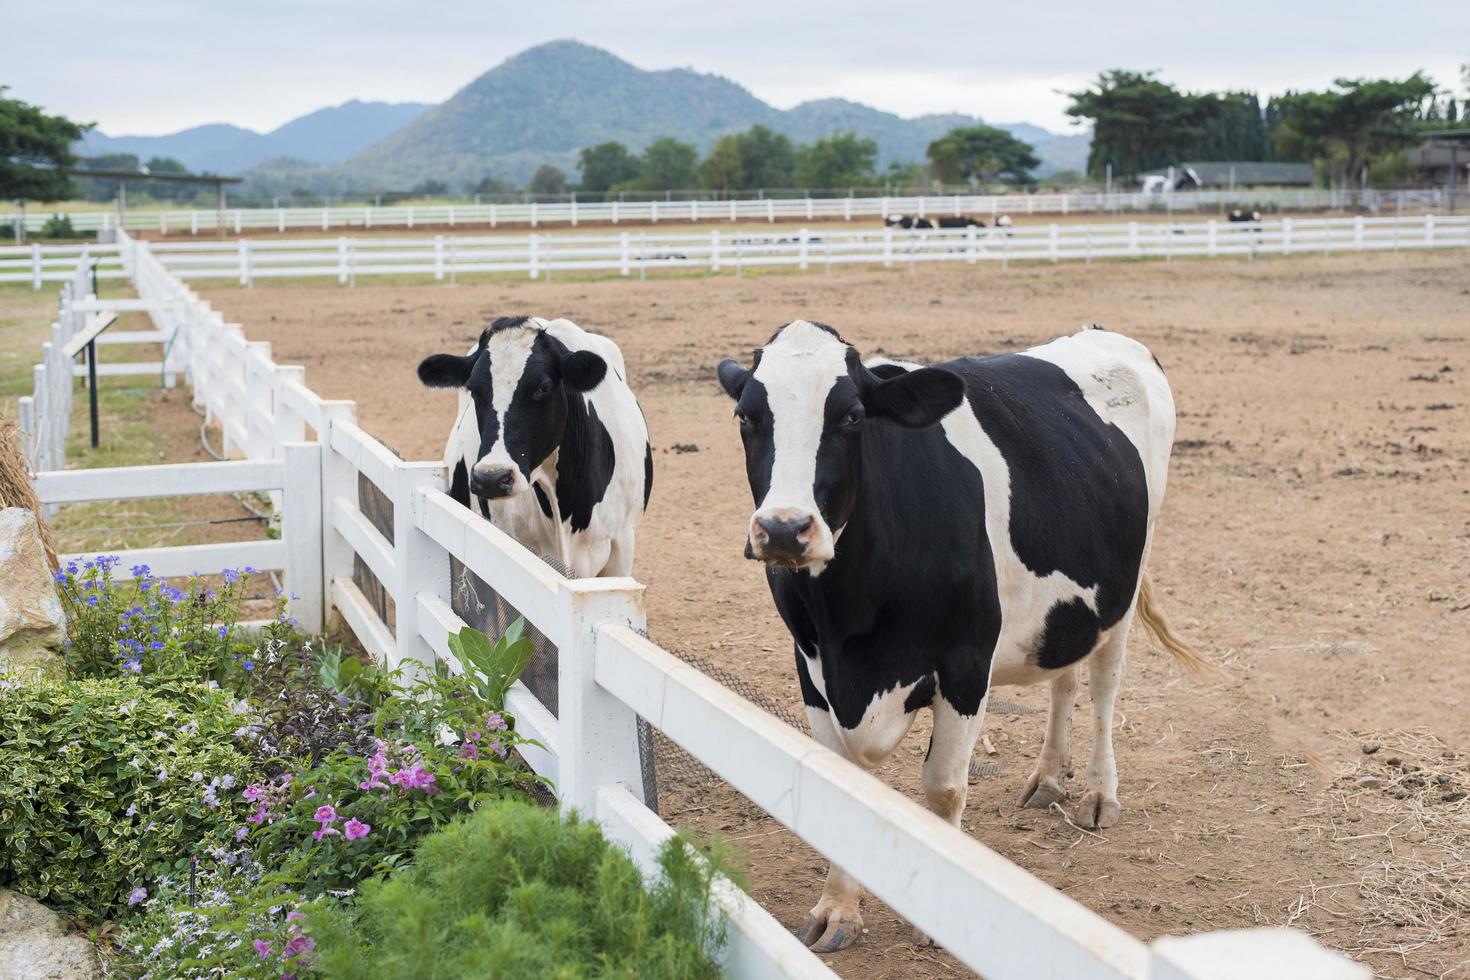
(606, 165)
(548, 181)
(839, 160)
(1353, 124)
(722, 170)
(667, 165)
(980, 155)
(1139, 122)
(767, 158)
(33, 145)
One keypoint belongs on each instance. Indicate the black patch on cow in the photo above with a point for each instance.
(1079, 492)
(922, 696)
(886, 371)
(459, 485)
(484, 508)
(810, 696)
(1069, 635)
(585, 466)
(647, 473)
(541, 499)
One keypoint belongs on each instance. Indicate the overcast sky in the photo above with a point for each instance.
(154, 66)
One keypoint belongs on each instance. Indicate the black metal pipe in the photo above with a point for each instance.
(92, 386)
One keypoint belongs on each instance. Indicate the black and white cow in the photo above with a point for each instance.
(929, 532)
(547, 424)
(960, 221)
(908, 221)
(1237, 215)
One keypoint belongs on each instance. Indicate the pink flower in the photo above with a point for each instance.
(325, 831)
(262, 948)
(496, 723)
(497, 748)
(297, 945)
(469, 750)
(415, 778)
(258, 816)
(252, 793)
(355, 828)
(325, 814)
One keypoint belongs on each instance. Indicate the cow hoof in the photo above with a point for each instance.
(1098, 812)
(828, 934)
(1041, 792)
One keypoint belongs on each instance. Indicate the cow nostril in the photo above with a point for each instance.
(497, 483)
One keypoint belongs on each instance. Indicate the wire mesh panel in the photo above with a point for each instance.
(378, 509)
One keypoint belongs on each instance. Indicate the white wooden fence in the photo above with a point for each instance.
(280, 219)
(991, 914)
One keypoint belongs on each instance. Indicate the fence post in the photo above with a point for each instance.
(532, 261)
(599, 734)
(693, 210)
(338, 479)
(533, 219)
(1214, 232)
(624, 261)
(419, 563)
(237, 221)
(1132, 238)
(341, 260)
(244, 262)
(301, 530)
(803, 239)
(1285, 236)
(280, 219)
(1429, 231)
(770, 211)
(972, 244)
(287, 426)
(1358, 232)
(35, 266)
(1052, 247)
(439, 258)
(887, 246)
(714, 250)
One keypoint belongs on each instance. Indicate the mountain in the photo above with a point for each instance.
(547, 103)
(326, 136)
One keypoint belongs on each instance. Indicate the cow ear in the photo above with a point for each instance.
(445, 370)
(917, 399)
(582, 370)
(732, 377)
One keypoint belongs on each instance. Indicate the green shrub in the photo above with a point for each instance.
(58, 226)
(108, 783)
(153, 629)
(517, 891)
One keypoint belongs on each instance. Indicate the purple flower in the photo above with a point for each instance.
(496, 723)
(252, 793)
(355, 828)
(262, 948)
(323, 831)
(249, 665)
(137, 895)
(131, 811)
(497, 748)
(415, 778)
(223, 631)
(468, 750)
(297, 945)
(259, 815)
(227, 781)
(325, 814)
(163, 775)
(132, 666)
(242, 833)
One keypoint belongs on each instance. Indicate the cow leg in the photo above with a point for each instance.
(947, 766)
(836, 921)
(1099, 806)
(620, 558)
(1045, 785)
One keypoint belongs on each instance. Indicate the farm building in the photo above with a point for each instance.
(1228, 175)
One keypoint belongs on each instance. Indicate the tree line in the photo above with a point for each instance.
(1142, 123)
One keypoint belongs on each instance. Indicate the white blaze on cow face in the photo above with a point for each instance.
(798, 371)
(508, 350)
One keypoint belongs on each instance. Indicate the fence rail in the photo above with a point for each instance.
(445, 258)
(195, 221)
(991, 914)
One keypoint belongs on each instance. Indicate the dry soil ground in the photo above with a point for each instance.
(1315, 542)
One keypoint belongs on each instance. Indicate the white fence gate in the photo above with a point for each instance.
(991, 914)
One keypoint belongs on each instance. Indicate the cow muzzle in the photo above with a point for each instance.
(492, 481)
(788, 536)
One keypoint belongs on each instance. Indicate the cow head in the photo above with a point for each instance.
(804, 408)
(520, 378)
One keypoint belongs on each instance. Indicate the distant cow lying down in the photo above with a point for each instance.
(911, 221)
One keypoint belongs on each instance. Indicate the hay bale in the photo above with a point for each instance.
(15, 483)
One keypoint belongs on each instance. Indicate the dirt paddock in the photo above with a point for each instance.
(1315, 542)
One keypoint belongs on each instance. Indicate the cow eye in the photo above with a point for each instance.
(852, 419)
(745, 420)
(542, 390)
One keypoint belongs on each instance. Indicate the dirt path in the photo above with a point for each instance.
(1315, 540)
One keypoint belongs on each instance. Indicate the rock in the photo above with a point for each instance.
(1369, 782)
(1370, 748)
(34, 945)
(32, 623)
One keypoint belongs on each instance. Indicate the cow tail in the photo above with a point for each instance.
(1157, 623)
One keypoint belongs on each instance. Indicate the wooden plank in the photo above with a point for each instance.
(756, 945)
(994, 916)
(368, 456)
(165, 480)
(88, 333)
(203, 559)
(365, 539)
(374, 635)
(127, 369)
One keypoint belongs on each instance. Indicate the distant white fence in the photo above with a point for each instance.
(236, 220)
(631, 253)
(991, 914)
